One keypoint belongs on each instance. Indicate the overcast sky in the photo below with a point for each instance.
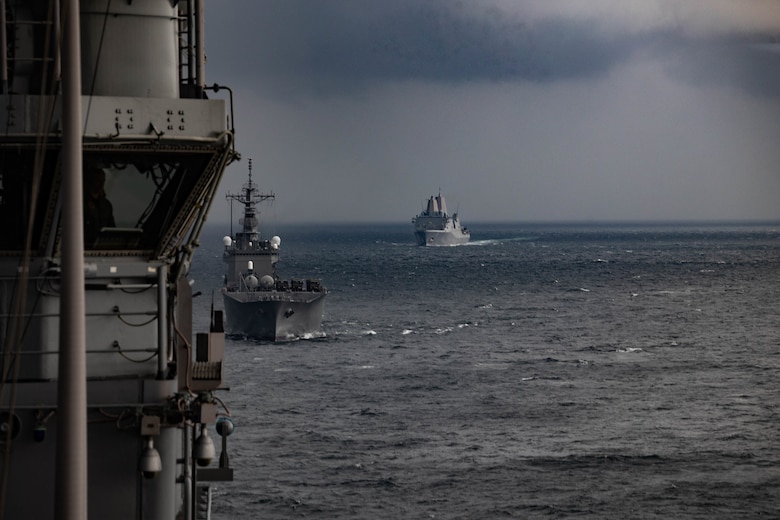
(518, 110)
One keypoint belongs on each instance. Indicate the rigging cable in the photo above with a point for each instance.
(16, 333)
(97, 66)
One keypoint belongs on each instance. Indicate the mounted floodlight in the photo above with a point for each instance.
(150, 463)
(204, 448)
(224, 428)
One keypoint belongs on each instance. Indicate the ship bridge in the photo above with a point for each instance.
(153, 148)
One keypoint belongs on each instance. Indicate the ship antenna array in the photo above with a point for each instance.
(246, 198)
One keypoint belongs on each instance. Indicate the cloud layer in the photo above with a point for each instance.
(516, 109)
(340, 48)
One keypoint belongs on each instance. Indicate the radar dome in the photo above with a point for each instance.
(251, 281)
(267, 281)
(227, 241)
(276, 241)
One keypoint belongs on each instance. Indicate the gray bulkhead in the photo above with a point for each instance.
(158, 148)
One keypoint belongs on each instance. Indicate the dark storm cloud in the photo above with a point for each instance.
(429, 41)
(337, 44)
(308, 47)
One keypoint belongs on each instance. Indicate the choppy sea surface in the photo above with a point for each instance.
(541, 371)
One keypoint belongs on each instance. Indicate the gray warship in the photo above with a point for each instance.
(435, 227)
(258, 304)
(110, 157)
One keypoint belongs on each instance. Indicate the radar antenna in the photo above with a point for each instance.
(250, 196)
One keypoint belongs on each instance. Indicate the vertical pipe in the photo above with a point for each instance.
(190, 42)
(57, 39)
(193, 473)
(200, 38)
(162, 321)
(187, 473)
(71, 461)
(3, 50)
(159, 497)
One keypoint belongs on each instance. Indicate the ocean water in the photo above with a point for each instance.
(538, 372)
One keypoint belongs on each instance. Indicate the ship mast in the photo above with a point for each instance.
(250, 197)
(71, 466)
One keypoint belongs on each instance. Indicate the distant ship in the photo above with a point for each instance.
(257, 303)
(435, 227)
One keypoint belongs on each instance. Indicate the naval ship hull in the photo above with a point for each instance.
(435, 227)
(440, 238)
(272, 315)
(258, 304)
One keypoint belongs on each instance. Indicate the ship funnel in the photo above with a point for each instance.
(433, 207)
(441, 203)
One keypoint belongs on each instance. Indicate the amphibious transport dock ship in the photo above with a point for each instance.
(110, 155)
(435, 227)
(258, 304)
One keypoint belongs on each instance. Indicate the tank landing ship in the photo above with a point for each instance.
(258, 304)
(435, 227)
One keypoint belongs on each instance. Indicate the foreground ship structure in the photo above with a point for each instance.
(108, 392)
(258, 304)
(435, 227)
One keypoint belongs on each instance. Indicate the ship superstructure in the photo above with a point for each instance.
(153, 149)
(259, 304)
(435, 227)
